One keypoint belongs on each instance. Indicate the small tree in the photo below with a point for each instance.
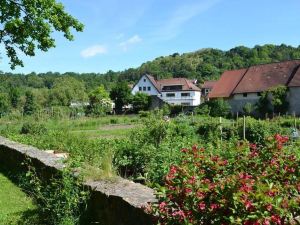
(248, 109)
(273, 100)
(141, 101)
(30, 106)
(121, 95)
(100, 103)
(4, 104)
(219, 107)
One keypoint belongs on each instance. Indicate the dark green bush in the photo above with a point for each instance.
(33, 128)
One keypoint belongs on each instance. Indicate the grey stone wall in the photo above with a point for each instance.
(238, 104)
(294, 100)
(113, 202)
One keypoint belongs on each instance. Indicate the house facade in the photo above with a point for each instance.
(174, 91)
(243, 86)
(206, 88)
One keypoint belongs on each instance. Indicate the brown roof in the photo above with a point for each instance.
(262, 77)
(257, 79)
(227, 83)
(187, 85)
(153, 81)
(295, 81)
(209, 84)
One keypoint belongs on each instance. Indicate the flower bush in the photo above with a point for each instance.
(255, 186)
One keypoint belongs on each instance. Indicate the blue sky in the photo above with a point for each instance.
(121, 34)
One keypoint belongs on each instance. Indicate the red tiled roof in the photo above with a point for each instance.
(295, 81)
(227, 83)
(153, 81)
(262, 77)
(209, 84)
(187, 85)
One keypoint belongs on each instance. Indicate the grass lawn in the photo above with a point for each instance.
(15, 207)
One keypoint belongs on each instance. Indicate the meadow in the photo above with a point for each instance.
(16, 207)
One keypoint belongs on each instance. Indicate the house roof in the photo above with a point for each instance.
(187, 85)
(209, 84)
(257, 78)
(295, 80)
(262, 77)
(227, 83)
(153, 81)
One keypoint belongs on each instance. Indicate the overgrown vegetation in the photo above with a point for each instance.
(242, 185)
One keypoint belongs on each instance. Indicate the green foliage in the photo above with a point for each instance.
(248, 109)
(30, 106)
(252, 186)
(61, 200)
(66, 90)
(100, 103)
(33, 128)
(4, 104)
(273, 100)
(121, 95)
(219, 107)
(27, 26)
(141, 102)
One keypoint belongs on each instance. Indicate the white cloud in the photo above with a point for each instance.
(93, 51)
(184, 13)
(131, 41)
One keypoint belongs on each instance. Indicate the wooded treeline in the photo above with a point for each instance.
(55, 89)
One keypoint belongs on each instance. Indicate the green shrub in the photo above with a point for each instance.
(255, 186)
(33, 128)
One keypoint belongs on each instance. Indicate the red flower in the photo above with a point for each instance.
(276, 219)
(269, 207)
(201, 206)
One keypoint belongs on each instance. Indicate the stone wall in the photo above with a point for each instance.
(113, 202)
(294, 100)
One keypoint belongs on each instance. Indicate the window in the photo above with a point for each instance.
(172, 88)
(144, 80)
(170, 95)
(258, 94)
(185, 95)
(140, 88)
(185, 104)
(144, 88)
(149, 88)
(245, 95)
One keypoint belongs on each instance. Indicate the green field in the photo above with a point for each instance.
(15, 206)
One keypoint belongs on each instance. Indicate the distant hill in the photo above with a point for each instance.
(210, 63)
(204, 64)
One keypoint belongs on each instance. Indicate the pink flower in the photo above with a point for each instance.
(214, 206)
(201, 206)
(276, 219)
(269, 207)
(266, 222)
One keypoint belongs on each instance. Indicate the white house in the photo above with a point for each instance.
(175, 91)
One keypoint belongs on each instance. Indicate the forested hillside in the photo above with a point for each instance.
(55, 89)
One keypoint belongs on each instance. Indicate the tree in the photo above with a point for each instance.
(273, 100)
(219, 107)
(67, 89)
(121, 95)
(141, 101)
(100, 103)
(30, 106)
(26, 25)
(4, 104)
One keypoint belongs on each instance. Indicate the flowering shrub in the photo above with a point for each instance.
(256, 186)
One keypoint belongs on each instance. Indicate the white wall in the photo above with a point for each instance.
(147, 83)
(192, 100)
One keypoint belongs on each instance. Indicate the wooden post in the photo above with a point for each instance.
(244, 128)
(221, 130)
